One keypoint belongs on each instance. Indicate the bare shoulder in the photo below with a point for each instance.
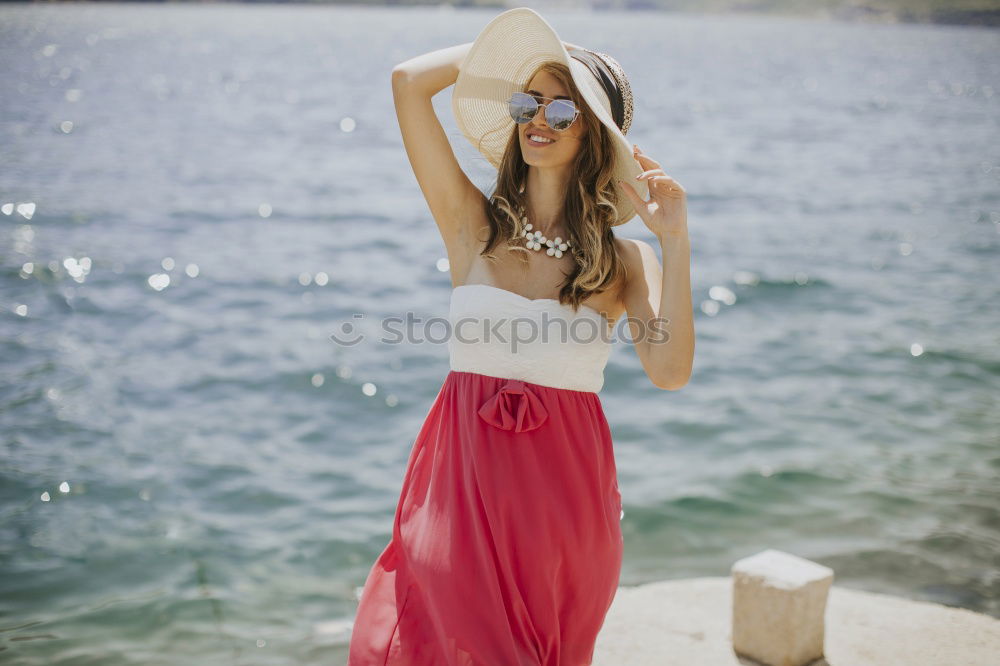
(637, 255)
(630, 250)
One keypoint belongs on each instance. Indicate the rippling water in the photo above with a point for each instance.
(193, 472)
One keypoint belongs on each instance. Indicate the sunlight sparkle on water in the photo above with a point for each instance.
(77, 268)
(723, 294)
(23, 235)
(159, 281)
(26, 210)
(746, 278)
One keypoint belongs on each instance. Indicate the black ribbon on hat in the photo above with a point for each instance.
(608, 82)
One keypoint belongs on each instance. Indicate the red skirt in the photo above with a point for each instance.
(506, 545)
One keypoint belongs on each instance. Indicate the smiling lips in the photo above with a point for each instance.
(540, 144)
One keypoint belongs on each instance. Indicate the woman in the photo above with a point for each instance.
(506, 544)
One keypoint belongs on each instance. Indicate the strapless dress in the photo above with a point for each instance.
(506, 544)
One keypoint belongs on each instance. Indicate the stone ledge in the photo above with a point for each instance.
(689, 623)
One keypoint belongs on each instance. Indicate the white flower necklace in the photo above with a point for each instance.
(534, 240)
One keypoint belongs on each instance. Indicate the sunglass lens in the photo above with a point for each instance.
(559, 114)
(522, 107)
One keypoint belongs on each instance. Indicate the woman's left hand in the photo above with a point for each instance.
(666, 211)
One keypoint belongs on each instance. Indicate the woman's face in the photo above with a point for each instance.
(565, 144)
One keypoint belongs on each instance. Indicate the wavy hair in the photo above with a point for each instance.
(589, 206)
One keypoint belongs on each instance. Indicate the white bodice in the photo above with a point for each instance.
(503, 334)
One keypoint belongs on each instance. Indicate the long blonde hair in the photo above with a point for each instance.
(589, 207)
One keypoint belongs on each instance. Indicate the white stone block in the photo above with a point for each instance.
(779, 604)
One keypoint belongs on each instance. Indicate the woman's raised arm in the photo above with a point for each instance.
(453, 198)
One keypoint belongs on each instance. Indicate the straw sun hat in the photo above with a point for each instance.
(501, 62)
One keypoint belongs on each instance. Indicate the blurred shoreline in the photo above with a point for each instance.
(946, 12)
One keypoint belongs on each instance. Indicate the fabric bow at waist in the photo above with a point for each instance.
(514, 407)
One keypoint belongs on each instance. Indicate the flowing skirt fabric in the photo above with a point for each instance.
(506, 546)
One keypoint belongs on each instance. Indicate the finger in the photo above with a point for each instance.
(648, 173)
(644, 160)
(668, 188)
(665, 179)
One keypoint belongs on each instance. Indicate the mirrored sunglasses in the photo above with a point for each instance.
(560, 114)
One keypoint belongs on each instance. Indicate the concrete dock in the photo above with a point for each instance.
(689, 623)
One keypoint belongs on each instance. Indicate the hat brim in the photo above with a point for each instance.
(501, 62)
